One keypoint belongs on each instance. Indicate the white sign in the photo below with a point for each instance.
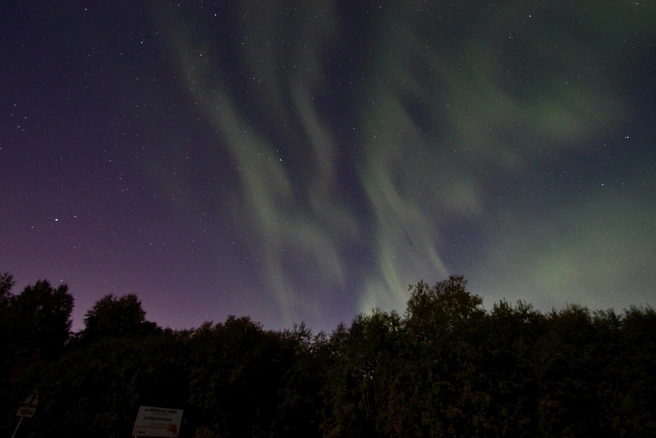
(26, 411)
(32, 400)
(160, 422)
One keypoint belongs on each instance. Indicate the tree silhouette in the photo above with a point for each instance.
(112, 316)
(34, 328)
(6, 284)
(40, 320)
(447, 367)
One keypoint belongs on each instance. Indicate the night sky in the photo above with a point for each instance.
(308, 160)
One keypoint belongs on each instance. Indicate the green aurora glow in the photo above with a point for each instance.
(442, 121)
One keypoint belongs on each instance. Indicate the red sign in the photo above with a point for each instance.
(32, 400)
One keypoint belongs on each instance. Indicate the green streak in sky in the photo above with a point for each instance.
(444, 113)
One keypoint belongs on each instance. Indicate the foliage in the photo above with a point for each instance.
(116, 316)
(446, 367)
(39, 320)
(34, 328)
(6, 284)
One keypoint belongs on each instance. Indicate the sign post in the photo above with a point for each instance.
(27, 408)
(17, 426)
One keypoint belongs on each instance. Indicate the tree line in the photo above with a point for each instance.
(445, 367)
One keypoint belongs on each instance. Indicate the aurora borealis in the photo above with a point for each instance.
(308, 160)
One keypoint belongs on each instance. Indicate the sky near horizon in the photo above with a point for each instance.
(308, 160)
